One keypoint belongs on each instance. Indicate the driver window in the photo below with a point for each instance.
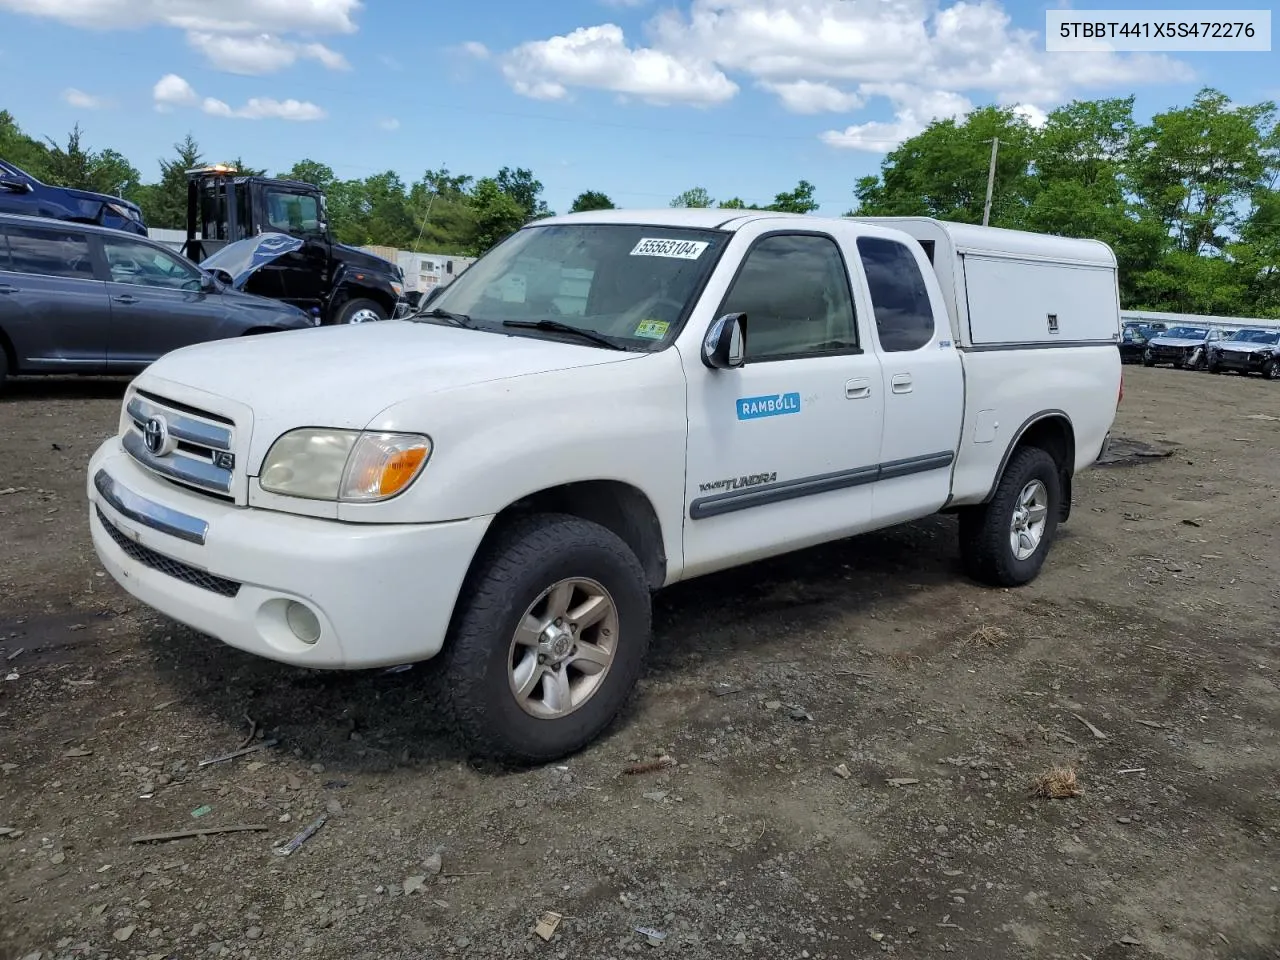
(795, 292)
(293, 212)
(146, 266)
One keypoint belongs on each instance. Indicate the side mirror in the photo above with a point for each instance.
(725, 345)
(208, 284)
(14, 186)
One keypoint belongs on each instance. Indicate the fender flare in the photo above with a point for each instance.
(1031, 421)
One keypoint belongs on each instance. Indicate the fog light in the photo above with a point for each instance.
(304, 624)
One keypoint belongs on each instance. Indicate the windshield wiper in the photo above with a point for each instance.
(457, 319)
(556, 326)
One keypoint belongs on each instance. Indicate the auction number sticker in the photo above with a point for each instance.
(678, 249)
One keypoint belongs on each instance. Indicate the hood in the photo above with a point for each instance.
(344, 376)
(363, 259)
(1245, 346)
(239, 260)
(1163, 341)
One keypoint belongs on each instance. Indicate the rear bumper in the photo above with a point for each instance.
(382, 593)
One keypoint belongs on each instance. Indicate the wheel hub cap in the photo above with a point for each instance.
(563, 647)
(1030, 517)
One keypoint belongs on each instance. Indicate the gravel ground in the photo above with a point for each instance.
(855, 732)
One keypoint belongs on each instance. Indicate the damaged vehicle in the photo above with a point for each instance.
(1182, 346)
(21, 193)
(338, 283)
(1134, 337)
(1252, 350)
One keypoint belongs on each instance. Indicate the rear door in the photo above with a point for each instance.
(923, 382)
(53, 305)
(157, 304)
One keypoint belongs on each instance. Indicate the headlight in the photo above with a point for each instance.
(348, 465)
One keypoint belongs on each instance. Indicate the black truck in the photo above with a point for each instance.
(337, 283)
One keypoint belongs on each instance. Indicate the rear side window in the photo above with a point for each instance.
(49, 253)
(904, 315)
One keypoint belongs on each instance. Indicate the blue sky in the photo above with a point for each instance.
(637, 98)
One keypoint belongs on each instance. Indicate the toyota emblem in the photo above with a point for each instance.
(156, 436)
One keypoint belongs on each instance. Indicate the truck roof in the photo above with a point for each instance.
(962, 237)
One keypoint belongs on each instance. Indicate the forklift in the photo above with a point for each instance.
(280, 229)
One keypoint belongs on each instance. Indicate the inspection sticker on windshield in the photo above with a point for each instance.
(679, 249)
(652, 329)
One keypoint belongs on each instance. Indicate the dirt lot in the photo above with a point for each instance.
(1155, 622)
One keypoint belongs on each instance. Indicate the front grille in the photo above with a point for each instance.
(167, 565)
(198, 450)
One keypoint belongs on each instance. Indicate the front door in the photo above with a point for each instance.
(923, 381)
(782, 451)
(157, 304)
(301, 277)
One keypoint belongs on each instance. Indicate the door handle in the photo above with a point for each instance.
(858, 389)
(901, 383)
(125, 298)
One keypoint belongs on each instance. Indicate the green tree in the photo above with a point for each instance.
(697, 197)
(799, 200)
(735, 203)
(311, 171)
(110, 172)
(21, 150)
(942, 171)
(164, 204)
(497, 215)
(591, 200)
(522, 187)
(1195, 168)
(72, 165)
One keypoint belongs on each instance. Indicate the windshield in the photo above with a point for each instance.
(631, 283)
(1256, 336)
(1187, 333)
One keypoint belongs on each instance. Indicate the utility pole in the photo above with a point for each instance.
(991, 180)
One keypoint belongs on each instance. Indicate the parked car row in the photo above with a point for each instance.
(1203, 347)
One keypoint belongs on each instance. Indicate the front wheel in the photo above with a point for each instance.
(360, 310)
(1004, 542)
(1147, 359)
(547, 642)
(1271, 369)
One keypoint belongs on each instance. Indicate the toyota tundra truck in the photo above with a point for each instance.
(603, 405)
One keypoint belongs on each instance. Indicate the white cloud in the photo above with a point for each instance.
(226, 16)
(806, 96)
(260, 53)
(914, 108)
(599, 57)
(265, 108)
(237, 36)
(173, 91)
(84, 101)
(1032, 114)
(389, 124)
(825, 55)
(474, 48)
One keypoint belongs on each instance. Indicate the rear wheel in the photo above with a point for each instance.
(1004, 542)
(360, 310)
(548, 639)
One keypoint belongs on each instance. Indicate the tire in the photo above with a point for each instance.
(1270, 370)
(358, 310)
(510, 576)
(1212, 366)
(986, 531)
(1147, 361)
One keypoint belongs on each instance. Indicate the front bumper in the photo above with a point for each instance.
(383, 593)
(1245, 362)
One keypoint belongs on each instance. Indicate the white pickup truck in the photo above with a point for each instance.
(605, 404)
